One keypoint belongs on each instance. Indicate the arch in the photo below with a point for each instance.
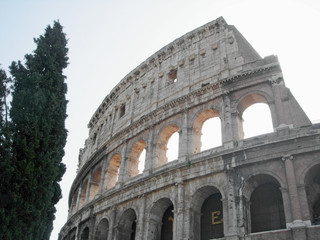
(258, 178)
(161, 220)
(84, 234)
(83, 193)
(112, 171)
(161, 148)
(247, 101)
(127, 225)
(134, 158)
(102, 230)
(312, 183)
(206, 209)
(198, 122)
(94, 183)
(266, 213)
(250, 99)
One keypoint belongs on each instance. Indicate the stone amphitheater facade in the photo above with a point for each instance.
(263, 187)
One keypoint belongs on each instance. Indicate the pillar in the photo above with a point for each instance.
(183, 137)
(298, 227)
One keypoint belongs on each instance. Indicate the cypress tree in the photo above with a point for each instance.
(7, 195)
(38, 113)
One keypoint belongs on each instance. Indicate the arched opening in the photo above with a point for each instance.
(161, 150)
(83, 193)
(266, 208)
(173, 147)
(134, 158)
(102, 230)
(161, 220)
(254, 116)
(127, 225)
(112, 172)
(212, 217)
(206, 131)
(312, 183)
(167, 224)
(94, 183)
(85, 234)
(142, 160)
(257, 120)
(207, 211)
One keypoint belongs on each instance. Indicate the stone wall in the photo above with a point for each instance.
(211, 72)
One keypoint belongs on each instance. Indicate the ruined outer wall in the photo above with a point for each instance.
(210, 72)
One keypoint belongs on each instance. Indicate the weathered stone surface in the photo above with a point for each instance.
(210, 72)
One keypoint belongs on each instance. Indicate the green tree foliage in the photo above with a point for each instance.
(38, 136)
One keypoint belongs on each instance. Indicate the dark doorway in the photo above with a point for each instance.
(167, 224)
(212, 217)
(266, 208)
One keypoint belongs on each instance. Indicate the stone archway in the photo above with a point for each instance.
(207, 212)
(266, 204)
(127, 225)
(312, 183)
(133, 158)
(161, 220)
(197, 128)
(161, 149)
(102, 230)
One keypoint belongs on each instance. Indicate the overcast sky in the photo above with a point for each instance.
(108, 39)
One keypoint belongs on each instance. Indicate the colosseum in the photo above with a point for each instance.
(263, 187)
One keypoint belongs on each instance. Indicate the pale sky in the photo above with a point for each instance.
(109, 38)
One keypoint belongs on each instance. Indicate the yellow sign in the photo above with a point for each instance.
(216, 217)
(171, 219)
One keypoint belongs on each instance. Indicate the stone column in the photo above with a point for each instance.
(113, 225)
(178, 218)
(78, 198)
(103, 176)
(298, 227)
(140, 230)
(237, 128)
(88, 188)
(123, 163)
(286, 204)
(231, 213)
(183, 137)
(150, 152)
(226, 122)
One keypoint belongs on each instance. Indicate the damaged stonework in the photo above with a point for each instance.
(264, 187)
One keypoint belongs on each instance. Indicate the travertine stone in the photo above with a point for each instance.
(210, 72)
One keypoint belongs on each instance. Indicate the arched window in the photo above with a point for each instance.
(257, 120)
(102, 230)
(134, 158)
(112, 172)
(312, 183)
(254, 116)
(266, 209)
(206, 131)
(127, 225)
(83, 194)
(161, 150)
(94, 183)
(173, 147)
(161, 220)
(142, 160)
